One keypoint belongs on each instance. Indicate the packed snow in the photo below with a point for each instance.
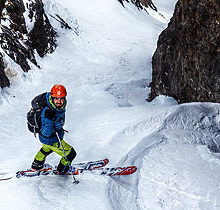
(105, 64)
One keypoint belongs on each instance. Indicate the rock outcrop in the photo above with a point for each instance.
(18, 40)
(43, 36)
(4, 81)
(140, 3)
(186, 64)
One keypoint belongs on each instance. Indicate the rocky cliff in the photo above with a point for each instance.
(18, 40)
(186, 64)
(140, 4)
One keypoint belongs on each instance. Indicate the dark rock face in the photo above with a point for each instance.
(15, 39)
(43, 35)
(148, 3)
(2, 3)
(4, 82)
(15, 10)
(10, 43)
(186, 64)
(140, 3)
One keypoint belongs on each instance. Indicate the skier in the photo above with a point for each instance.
(52, 122)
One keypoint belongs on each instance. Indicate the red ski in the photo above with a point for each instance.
(92, 167)
(115, 171)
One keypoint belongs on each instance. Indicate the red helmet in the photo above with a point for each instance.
(58, 91)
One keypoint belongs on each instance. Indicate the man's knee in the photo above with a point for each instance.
(46, 153)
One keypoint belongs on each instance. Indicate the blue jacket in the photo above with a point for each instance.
(50, 127)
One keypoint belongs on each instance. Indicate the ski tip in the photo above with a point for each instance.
(106, 161)
(128, 170)
(134, 169)
(102, 163)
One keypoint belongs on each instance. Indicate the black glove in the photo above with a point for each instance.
(50, 114)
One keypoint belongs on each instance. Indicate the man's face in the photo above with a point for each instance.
(59, 102)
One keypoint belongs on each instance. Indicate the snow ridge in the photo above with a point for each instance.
(186, 128)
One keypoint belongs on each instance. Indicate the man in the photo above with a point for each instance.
(52, 122)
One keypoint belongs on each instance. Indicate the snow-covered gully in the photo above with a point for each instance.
(106, 68)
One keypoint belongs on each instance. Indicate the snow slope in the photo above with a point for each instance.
(106, 69)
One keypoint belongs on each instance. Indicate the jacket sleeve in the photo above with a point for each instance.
(47, 128)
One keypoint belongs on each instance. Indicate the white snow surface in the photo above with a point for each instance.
(106, 69)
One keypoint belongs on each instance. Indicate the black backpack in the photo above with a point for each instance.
(34, 115)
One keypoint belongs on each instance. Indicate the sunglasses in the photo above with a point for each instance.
(60, 99)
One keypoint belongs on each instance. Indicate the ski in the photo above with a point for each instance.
(115, 171)
(90, 165)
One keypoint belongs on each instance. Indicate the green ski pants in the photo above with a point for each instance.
(57, 148)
